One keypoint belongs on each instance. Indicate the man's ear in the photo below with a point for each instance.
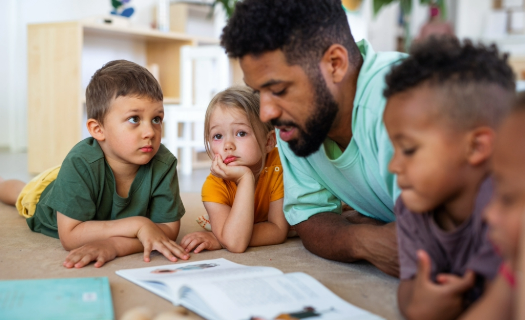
(335, 63)
(271, 141)
(481, 145)
(96, 130)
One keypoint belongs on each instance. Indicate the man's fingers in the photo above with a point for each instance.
(424, 265)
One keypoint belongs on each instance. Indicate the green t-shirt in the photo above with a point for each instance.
(85, 190)
(358, 176)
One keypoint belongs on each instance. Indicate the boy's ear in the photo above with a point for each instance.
(96, 130)
(271, 141)
(335, 62)
(481, 145)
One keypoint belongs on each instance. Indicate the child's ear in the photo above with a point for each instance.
(481, 145)
(271, 141)
(96, 130)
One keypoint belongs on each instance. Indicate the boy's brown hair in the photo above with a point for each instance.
(119, 78)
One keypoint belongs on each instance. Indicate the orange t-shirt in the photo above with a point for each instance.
(269, 188)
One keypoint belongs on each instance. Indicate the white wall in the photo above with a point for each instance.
(15, 15)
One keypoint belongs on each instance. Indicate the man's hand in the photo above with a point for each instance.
(231, 173)
(153, 238)
(100, 251)
(333, 237)
(382, 249)
(201, 240)
(442, 300)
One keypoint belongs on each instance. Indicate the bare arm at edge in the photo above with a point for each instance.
(333, 237)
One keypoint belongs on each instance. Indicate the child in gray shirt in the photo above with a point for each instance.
(444, 103)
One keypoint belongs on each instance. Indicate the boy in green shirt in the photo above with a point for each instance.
(117, 192)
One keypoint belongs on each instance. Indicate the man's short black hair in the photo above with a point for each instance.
(303, 29)
(477, 84)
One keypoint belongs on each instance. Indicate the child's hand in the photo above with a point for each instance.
(231, 173)
(203, 240)
(153, 238)
(443, 300)
(100, 251)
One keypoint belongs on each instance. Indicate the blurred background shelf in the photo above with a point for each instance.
(58, 74)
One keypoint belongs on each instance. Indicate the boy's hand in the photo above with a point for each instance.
(231, 173)
(100, 251)
(442, 300)
(153, 238)
(203, 240)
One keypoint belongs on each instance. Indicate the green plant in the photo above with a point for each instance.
(406, 5)
(406, 8)
(228, 5)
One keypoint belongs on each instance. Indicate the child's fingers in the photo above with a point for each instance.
(70, 261)
(100, 262)
(463, 283)
(424, 265)
(201, 247)
(86, 259)
(167, 253)
(193, 242)
(177, 250)
(147, 251)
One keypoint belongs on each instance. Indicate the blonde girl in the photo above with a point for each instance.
(243, 195)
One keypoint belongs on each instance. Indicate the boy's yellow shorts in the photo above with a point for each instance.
(30, 194)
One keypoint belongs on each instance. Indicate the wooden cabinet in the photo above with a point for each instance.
(56, 92)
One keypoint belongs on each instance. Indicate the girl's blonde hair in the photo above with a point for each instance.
(244, 99)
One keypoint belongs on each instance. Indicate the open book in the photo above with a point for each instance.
(220, 289)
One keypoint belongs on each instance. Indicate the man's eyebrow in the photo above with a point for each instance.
(271, 83)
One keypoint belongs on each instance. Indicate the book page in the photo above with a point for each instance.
(295, 295)
(166, 280)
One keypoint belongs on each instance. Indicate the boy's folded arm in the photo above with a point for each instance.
(74, 233)
(170, 229)
(273, 231)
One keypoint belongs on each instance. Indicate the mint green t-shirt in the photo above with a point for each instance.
(85, 190)
(358, 176)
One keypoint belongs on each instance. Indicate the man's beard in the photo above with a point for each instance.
(318, 124)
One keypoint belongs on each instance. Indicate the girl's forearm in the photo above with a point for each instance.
(267, 233)
(237, 230)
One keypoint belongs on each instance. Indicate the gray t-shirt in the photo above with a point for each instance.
(466, 248)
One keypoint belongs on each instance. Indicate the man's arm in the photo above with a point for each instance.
(333, 237)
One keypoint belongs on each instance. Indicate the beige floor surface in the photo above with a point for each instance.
(28, 255)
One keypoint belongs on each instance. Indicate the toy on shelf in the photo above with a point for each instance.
(122, 8)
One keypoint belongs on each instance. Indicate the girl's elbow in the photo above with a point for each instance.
(235, 247)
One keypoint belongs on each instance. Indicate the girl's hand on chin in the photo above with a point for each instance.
(231, 173)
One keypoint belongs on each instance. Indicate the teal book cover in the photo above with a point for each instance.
(56, 299)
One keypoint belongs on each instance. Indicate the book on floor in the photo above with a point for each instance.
(221, 289)
(56, 299)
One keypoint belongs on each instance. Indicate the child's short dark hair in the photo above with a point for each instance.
(477, 83)
(119, 78)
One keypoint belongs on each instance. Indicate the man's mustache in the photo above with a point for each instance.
(280, 123)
